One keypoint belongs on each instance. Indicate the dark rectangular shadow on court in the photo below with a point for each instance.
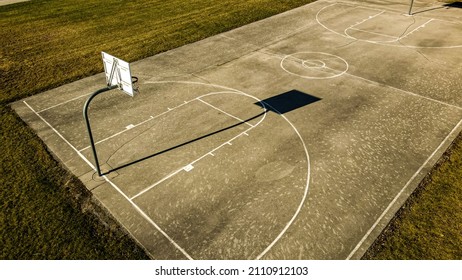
(287, 101)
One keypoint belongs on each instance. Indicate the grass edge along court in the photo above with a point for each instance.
(30, 175)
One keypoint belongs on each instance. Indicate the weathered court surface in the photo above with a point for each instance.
(296, 137)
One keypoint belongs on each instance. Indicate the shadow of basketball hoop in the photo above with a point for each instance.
(288, 101)
(279, 104)
(457, 5)
(185, 143)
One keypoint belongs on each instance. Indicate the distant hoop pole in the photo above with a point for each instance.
(87, 122)
(410, 7)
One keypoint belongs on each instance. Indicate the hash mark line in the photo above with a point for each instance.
(302, 202)
(145, 121)
(216, 108)
(120, 132)
(415, 29)
(401, 192)
(210, 153)
(195, 161)
(134, 205)
(62, 103)
(229, 141)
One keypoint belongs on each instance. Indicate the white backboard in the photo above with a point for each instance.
(120, 71)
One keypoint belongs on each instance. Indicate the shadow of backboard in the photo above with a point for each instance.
(288, 101)
(457, 4)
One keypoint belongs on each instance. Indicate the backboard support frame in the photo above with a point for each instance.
(118, 75)
(87, 123)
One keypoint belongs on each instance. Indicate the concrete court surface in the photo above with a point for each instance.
(8, 2)
(295, 137)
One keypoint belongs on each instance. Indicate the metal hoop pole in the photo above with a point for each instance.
(87, 122)
(410, 7)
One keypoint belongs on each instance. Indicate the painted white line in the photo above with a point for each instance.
(137, 208)
(210, 153)
(406, 92)
(229, 141)
(226, 113)
(157, 183)
(383, 43)
(375, 33)
(60, 136)
(327, 28)
(138, 124)
(65, 102)
(145, 216)
(131, 126)
(415, 29)
(361, 22)
(401, 192)
(188, 168)
(305, 194)
(325, 57)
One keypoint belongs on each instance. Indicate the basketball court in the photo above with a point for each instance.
(295, 137)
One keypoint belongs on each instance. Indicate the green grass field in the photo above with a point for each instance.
(429, 225)
(46, 212)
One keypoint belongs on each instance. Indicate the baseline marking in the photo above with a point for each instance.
(137, 208)
(368, 233)
(62, 103)
(60, 135)
(147, 218)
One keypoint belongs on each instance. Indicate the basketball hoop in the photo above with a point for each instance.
(135, 84)
(118, 75)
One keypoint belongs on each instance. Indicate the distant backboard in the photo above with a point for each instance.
(118, 73)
